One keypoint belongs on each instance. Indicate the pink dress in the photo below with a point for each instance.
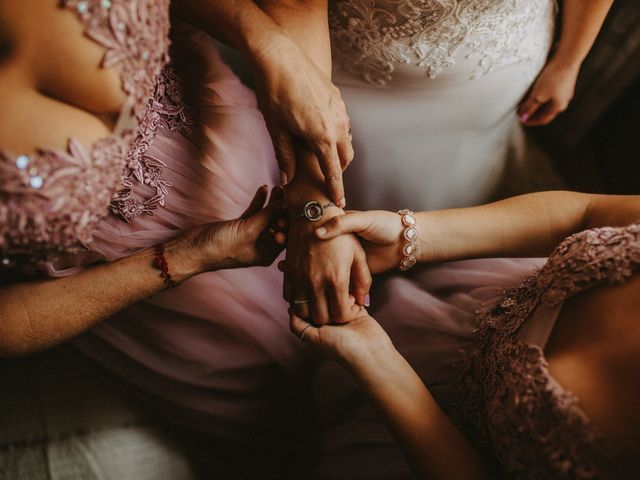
(215, 353)
(480, 349)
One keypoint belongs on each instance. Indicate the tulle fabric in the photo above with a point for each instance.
(216, 352)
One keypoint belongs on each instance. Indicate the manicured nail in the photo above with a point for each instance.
(322, 231)
(524, 117)
(342, 203)
(284, 178)
(367, 300)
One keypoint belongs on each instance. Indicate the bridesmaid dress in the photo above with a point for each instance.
(214, 354)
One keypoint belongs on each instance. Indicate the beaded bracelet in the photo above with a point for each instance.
(410, 234)
(161, 264)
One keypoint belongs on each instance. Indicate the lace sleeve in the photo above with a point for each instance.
(50, 201)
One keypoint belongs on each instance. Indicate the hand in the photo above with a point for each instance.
(380, 231)
(352, 344)
(299, 100)
(320, 272)
(256, 238)
(550, 95)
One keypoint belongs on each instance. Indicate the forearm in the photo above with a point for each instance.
(523, 226)
(581, 23)
(38, 314)
(432, 444)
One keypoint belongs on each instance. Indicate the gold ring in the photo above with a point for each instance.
(300, 301)
(304, 332)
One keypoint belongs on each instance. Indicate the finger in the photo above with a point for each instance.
(345, 152)
(286, 155)
(287, 289)
(257, 202)
(361, 280)
(319, 305)
(339, 302)
(342, 224)
(301, 303)
(276, 194)
(545, 115)
(332, 170)
(299, 326)
(529, 108)
(280, 238)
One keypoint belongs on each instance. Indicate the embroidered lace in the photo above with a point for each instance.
(535, 427)
(370, 37)
(49, 201)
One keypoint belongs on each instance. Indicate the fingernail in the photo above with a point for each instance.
(524, 117)
(367, 300)
(322, 231)
(342, 203)
(284, 178)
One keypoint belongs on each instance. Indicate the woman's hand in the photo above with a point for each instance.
(256, 238)
(318, 274)
(354, 344)
(550, 95)
(380, 231)
(299, 101)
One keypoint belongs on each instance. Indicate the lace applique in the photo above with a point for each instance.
(165, 110)
(370, 37)
(535, 427)
(136, 37)
(50, 202)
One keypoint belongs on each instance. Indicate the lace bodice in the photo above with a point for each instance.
(371, 37)
(535, 427)
(50, 201)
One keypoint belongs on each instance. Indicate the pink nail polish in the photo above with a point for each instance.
(367, 300)
(524, 117)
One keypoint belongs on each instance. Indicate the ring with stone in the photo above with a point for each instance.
(300, 301)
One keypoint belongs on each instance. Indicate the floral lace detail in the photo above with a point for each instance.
(136, 36)
(165, 110)
(50, 201)
(536, 428)
(370, 37)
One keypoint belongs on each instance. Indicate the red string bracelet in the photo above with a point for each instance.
(162, 265)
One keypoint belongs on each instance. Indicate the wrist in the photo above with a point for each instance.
(565, 62)
(373, 363)
(182, 259)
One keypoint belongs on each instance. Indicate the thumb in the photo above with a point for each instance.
(257, 202)
(349, 223)
(286, 155)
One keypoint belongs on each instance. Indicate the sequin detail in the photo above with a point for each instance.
(535, 427)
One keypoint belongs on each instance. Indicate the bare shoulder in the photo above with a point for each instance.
(594, 352)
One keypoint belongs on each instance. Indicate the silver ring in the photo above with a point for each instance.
(300, 301)
(304, 332)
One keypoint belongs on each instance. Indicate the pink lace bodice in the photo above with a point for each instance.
(51, 201)
(535, 427)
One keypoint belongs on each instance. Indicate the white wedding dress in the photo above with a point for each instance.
(431, 87)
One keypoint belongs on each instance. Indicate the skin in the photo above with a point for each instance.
(594, 347)
(552, 92)
(287, 42)
(55, 88)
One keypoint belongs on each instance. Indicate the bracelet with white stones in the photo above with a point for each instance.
(410, 235)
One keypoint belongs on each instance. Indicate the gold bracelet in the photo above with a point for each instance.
(410, 234)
